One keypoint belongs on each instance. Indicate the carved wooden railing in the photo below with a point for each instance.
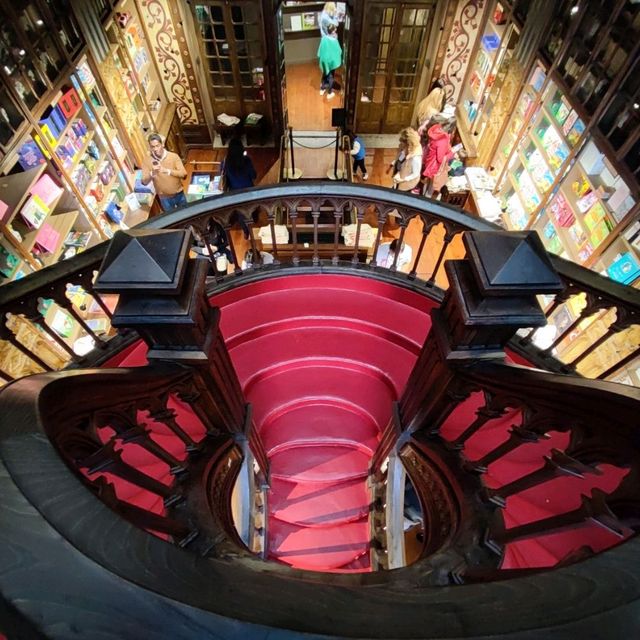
(600, 427)
(122, 436)
(56, 455)
(461, 392)
(35, 337)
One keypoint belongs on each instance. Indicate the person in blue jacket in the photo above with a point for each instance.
(358, 152)
(237, 168)
(327, 17)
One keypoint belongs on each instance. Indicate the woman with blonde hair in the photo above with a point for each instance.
(408, 163)
(327, 17)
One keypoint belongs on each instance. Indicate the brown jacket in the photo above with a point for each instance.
(165, 184)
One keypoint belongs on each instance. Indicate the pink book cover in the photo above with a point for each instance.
(47, 238)
(4, 211)
(46, 188)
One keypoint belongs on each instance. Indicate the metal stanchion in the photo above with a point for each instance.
(292, 173)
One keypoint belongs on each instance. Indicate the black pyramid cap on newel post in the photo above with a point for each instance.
(492, 293)
(163, 297)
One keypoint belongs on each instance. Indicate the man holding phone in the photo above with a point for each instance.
(167, 172)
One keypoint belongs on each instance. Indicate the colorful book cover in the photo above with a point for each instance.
(624, 269)
(594, 215)
(34, 211)
(576, 131)
(585, 252)
(587, 201)
(599, 232)
(46, 189)
(78, 238)
(569, 122)
(30, 155)
(47, 239)
(577, 234)
(62, 324)
(5, 212)
(8, 262)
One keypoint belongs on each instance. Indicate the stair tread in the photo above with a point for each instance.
(310, 505)
(319, 420)
(323, 463)
(318, 548)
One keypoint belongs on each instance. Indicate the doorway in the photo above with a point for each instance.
(299, 38)
(394, 47)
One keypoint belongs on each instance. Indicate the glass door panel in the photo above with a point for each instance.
(393, 50)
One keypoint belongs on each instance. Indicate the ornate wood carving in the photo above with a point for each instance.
(166, 31)
(465, 30)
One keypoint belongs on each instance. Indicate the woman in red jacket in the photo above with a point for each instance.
(436, 154)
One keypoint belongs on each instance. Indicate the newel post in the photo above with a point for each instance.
(163, 297)
(492, 294)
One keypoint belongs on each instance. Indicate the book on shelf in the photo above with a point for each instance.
(594, 216)
(62, 323)
(253, 118)
(34, 211)
(77, 238)
(5, 212)
(46, 189)
(8, 262)
(98, 325)
(47, 239)
(625, 268)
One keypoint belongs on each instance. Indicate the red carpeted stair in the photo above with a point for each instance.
(321, 358)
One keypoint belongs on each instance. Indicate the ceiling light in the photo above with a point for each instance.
(39, 23)
(636, 105)
(574, 9)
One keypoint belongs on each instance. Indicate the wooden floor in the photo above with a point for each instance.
(308, 110)
(316, 161)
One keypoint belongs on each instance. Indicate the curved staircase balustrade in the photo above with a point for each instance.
(125, 579)
(572, 451)
(58, 529)
(34, 343)
(143, 440)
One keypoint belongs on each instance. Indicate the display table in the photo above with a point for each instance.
(481, 186)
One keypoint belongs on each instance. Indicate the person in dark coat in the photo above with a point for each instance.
(237, 168)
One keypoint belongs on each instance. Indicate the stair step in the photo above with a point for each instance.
(320, 463)
(318, 506)
(319, 421)
(318, 549)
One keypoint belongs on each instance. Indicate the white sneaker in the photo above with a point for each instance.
(330, 95)
(365, 176)
(321, 92)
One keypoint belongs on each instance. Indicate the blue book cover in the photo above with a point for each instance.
(624, 269)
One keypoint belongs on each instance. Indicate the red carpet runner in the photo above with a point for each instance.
(321, 358)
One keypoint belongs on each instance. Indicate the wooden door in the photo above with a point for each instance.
(392, 56)
(231, 41)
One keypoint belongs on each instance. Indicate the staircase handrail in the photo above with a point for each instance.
(59, 529)
(602, 295)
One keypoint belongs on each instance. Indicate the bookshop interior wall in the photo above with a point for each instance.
(554, 127)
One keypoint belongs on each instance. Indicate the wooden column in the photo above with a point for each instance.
(492, 294)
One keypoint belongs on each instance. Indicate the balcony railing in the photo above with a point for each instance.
(595, 322)
(98, 556)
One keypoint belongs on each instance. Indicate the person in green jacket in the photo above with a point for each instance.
(330, 58)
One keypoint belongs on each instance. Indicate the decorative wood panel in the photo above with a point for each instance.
(465, 30)
(168, 41)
